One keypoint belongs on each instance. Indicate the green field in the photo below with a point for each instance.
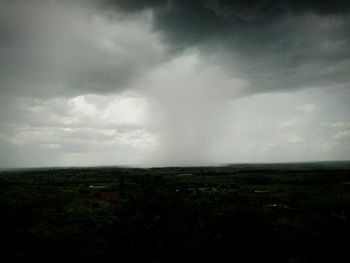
(234, 213)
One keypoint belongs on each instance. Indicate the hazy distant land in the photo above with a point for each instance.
(246, 212)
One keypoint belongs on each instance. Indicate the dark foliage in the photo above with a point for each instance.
(241, 214)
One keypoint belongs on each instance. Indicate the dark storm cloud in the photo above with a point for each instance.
(240, 7)
(61, 48)
(62, 61)
(273, 44)
(136, 5)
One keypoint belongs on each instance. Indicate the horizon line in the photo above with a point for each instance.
(144, 166)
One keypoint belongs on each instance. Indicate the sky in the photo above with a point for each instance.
(173, 82)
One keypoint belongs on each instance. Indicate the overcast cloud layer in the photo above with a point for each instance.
(178, 82)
